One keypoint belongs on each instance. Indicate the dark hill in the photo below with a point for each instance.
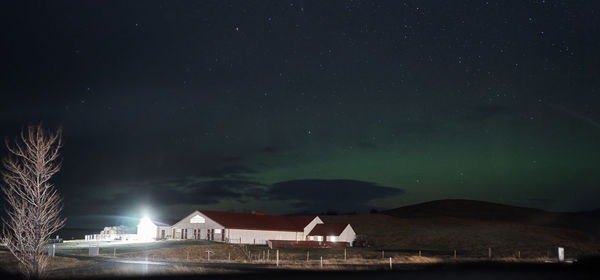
(460, 208)
(488, 211)
(471, 227)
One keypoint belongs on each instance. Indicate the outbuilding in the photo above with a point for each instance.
(147, 230)
(332, 233)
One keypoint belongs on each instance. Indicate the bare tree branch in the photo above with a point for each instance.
(32, 203)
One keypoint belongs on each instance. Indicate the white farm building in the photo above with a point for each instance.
(255, 228)
(332, 233)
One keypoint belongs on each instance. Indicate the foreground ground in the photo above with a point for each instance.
(184, 258)
(455, 235)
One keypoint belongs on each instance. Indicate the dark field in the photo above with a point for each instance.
(487, 270)
(472, 227)
(523, 245)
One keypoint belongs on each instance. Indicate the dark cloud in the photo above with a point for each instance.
(322, 195)
(539, 200)
(231, 170)
(178, 191)
(309, 196)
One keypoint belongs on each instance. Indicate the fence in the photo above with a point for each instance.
(369, 258)
(306, 244)
(110, 237)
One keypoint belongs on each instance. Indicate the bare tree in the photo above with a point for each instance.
(33, 204)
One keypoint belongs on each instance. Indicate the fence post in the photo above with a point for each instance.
(490, 252)
(561, 254)
(382, 254)
(519, 255)
(455, 254)
(419, 253)
(321, 261)
(390, 263)
(51, 250)
(277, 257)
(115, 252)
(344, 254)
(268, 254)
(307, 255)
(229, 256)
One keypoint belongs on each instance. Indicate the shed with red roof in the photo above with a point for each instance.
(332, 232)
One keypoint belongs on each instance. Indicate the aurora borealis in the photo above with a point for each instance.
(309, 106)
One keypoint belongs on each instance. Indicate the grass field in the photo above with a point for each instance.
(189, 257)
(472, 227)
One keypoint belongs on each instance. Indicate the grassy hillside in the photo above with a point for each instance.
(479, 210)
(471, 227)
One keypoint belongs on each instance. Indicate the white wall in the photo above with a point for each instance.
(315, 238)
(186, 223)
(348, 235)
(234, 235)
(146, 229)
(260, 236)
(310, 227)
(168, 231)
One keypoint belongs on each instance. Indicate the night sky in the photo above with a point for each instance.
(308, 106)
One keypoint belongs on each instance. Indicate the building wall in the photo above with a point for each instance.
(315, 238)
(348, 235)
(310, 227)
(146, 229)
(168, 232)
(203, 227)
(243, 236)
(246, 236)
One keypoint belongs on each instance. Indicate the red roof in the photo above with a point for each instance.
(301, 221)
(258, 222)
(328, 229)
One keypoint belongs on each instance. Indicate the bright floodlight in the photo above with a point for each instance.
(146, 229)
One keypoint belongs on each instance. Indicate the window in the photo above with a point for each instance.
(218, 231)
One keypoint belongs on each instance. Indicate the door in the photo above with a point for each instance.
(162, 234)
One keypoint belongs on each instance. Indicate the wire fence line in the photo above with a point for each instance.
(263, 254)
